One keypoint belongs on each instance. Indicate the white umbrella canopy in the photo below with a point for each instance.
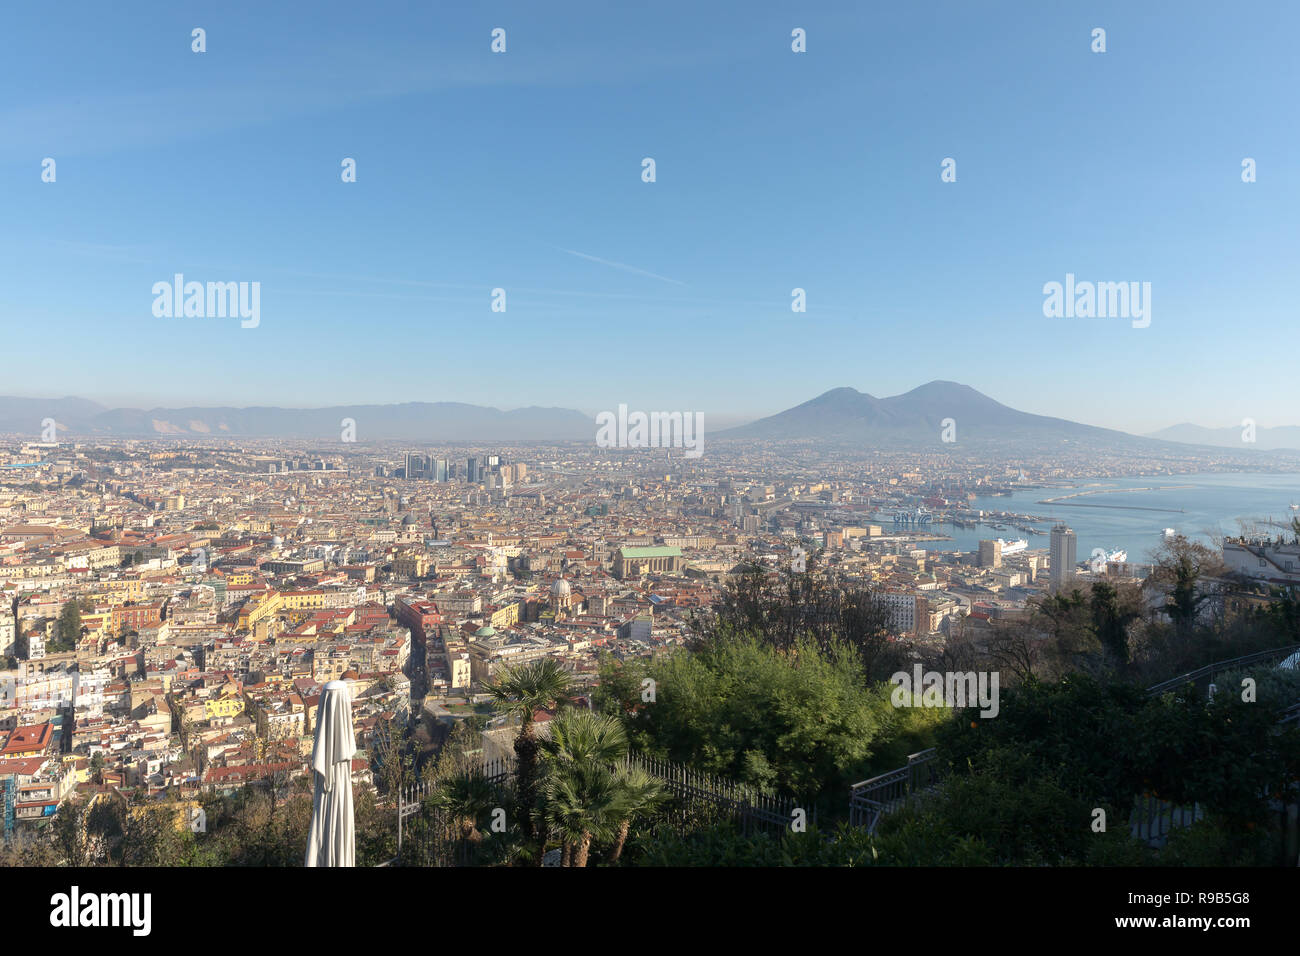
(332, 839)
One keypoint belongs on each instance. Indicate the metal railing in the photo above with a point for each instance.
(699, 797)
(694, 799)
(871, 799)
(495, 771)
(1202, 677)
(411, 799)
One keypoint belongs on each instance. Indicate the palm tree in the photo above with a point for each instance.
(583, 803)
(640, 794)
(521, 692)
(465, 797)
(583, 795)
(583, 738)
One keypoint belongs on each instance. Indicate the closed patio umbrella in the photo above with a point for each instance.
(332, 839)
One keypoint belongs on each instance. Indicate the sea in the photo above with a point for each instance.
(1203, 507)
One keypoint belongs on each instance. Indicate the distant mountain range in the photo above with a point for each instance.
(415, 421)
(1266, 439)
(846, 415)
(919, 416)
(840, 416)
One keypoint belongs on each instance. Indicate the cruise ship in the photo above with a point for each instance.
(1012, 547)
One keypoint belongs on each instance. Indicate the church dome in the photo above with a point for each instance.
(560, 588)
(486, 630)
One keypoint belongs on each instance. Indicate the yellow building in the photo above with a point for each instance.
(118, 592)
(259, 608)
(302, 600)
(411, 564)
(97, 623)
(82, 772)
(506, 615)
(129, 589)
(223, 707)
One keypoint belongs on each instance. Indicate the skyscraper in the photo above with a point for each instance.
(418, 466)
(1063, 555)
(471, 471)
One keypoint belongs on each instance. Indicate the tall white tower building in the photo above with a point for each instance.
(1063, 555)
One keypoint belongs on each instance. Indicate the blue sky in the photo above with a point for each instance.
(775, 170)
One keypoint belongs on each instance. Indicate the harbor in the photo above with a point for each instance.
(1064, 502)
(1203, 507)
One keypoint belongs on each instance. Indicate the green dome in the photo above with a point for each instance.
(486, 631)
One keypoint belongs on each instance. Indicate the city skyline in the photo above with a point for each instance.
(775, 170)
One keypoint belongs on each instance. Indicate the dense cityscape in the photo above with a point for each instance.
(172, 609)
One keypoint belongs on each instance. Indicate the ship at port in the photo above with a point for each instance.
(1012, 547)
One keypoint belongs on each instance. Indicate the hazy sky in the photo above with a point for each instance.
(775, 170)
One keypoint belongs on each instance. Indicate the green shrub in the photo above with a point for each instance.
(801, 722)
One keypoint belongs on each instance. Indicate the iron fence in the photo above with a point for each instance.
(701, 799)
(1202, 677)
(430, 836)
(871, 799)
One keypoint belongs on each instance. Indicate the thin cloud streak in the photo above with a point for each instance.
(620, 265)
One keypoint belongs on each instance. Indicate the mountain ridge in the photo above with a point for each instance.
(920, 416)
(428, 421)
(1278, 438)
(923, 414)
